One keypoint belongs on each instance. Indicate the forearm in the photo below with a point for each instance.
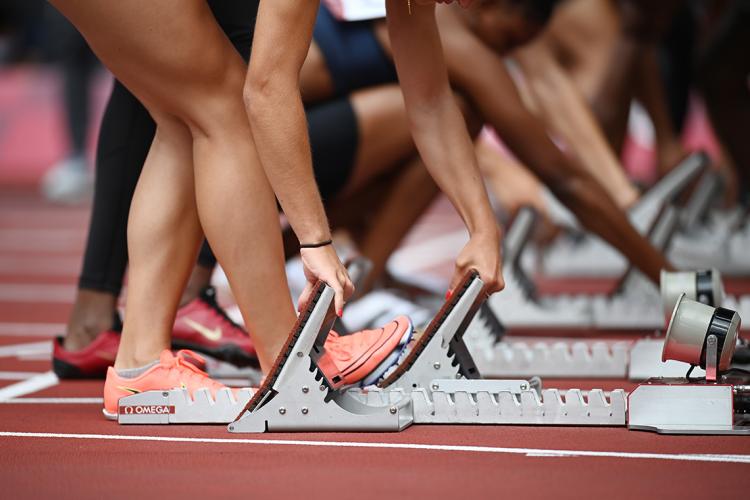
(563, 175)
(436, 122)
(276, 114)
(280, 132)
(566, 113)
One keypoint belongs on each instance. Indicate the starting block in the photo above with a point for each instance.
(436, 383)
(588, 255)
(296, 396)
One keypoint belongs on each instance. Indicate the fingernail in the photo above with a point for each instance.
(448, 294)
(340, 313)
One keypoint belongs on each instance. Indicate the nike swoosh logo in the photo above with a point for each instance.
(213, 335)
(128, 389)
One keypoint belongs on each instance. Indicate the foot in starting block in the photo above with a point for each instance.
(296, 396)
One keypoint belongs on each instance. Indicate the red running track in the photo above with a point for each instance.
(67, 450)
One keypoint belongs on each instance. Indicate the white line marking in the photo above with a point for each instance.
(34, 384)
(684, 457)
(27, 350)
(17, 375)
(31, 329)
(54, 401)
(25, 293)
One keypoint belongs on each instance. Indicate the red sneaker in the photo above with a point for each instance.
(202, 326)
(90, 362)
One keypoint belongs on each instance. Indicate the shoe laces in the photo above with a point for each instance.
(188, 369)
(342, 347)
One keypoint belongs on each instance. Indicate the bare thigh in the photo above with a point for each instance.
(171, 53)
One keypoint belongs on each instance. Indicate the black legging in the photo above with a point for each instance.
(125, 137)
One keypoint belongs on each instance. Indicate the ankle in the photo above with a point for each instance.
(134, 361)
(93, 313)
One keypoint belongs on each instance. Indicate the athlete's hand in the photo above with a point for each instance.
(481, 253)
(323, 264)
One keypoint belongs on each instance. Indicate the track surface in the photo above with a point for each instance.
(64, 448)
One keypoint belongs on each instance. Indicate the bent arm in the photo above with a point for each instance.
(277, 118)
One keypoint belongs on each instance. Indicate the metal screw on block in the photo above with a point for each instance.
(304, 411)
(524, 387)
(322, 387)
(165, 394)
(231, 427)
(305, 389)
(436, 365)
(393, 410)
(282, 410)
(435, 387)
(299, 354)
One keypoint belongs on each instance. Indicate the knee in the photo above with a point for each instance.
(215, 100)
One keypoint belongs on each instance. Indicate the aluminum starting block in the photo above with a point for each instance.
(177, 407)
(459, 397)
(592, 256)
(296, 396)
(436, 383)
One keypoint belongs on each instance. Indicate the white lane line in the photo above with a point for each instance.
(34, 384)
(25, 293)
(684, 457)
(54, 401)
(31, 329)
(27, 350)
(17, 375)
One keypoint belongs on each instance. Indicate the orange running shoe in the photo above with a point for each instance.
(172, 372)
(363, 357)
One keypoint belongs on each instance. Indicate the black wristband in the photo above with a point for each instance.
(316, 245)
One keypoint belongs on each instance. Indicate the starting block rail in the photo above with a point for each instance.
(514, 404)
(177, 407)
